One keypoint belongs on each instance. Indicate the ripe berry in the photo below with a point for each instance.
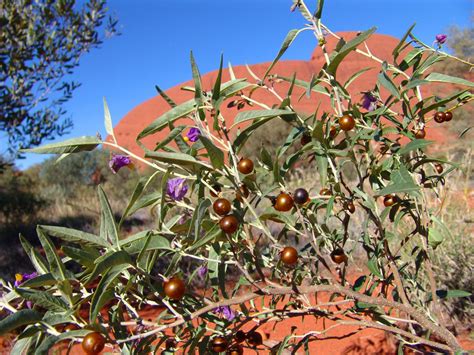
(305, 139)
(235, 350)
(389, 200)
(325, 192)
(289, 256)
(174, 288)
(216, 188)
(93, 343)
(300, 196)
(338, 256)
(346, 123)
(332, 132)
(284, 202)
(240, 336)
(221, 206)
(448, 116)
(440, 117)
(350, 207)
(242, 192)
(229, 224)
(254, 338)
(420, 133)
(439, 168)
(245, 166)
(219, 344)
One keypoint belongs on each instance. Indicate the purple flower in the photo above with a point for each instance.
(441, 38)
(202, 271)
(20, 278)
(177, 188)
(193, 135)
(119, 161)
(226, 311)
(29, 304)
(369, 101)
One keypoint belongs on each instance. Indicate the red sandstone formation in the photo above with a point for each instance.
(380, 46)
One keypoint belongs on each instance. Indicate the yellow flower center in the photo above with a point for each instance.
(18, 277)
(186, 139)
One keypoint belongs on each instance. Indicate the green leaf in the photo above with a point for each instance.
(18, 319)
(176, 158)
(197, 86)
(319, 9)
(217, 85)
(142, 184)
(75, 145)
(385, 81)
(107, 219)
(43, 299)
(215, 154)
(346, 49)
(290, 37)
(372, 266)
(75, 236)
(103, 293)
(165, 96)
(168, 117)
(56, 266)
(39, 281)
(322, 163)
(396, 50)
(355, 76)
(413, 145)
(36, 259)
(109, 128)
(259, 114)
(435, 237)
(174, 134)
(156, 242)
(402, 181)
(443, 78)
(118, 258)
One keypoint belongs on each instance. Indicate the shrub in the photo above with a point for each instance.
(389, 186)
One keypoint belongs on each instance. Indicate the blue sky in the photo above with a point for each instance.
(157, 36)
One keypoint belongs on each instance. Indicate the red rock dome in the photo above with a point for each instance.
(380, 45)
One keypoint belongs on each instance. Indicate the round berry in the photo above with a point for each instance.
(217, 189)
(289, 256)
(338, 256)
(389, 200)
(300, 196)
(240, 336)
(440, 117)
(221, 206)
(325, 192)
(332, 132)
(350, 207)
(170, 343)
(93, 343)
(245, 166)
(283, 202)
(254, 338)
(439, 168)
(219, 344)
(229, 224)
(346, 123)
(448, 116)
(305, 139)
(420, 133)
(235, 350)
(174, 288)
(242, 192)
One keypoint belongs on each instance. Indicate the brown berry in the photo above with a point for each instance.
(338, 256)
(242, 192)
(235, 350)
(389, 200)
(283, 202)
(240, 336)
(174, 288)
(254, 338)
(216, 188)
(346, 123)
(439, 168)
(229, 224)
(420, 133)
(221, 206)
(440, 117)
(170, 343)
(93, 343)
(305, 139)
(219, 344)
(332, 132)
(289, 256)
(245, 166)
(300, 196)
(350, 207)
(325, 192)
(448, 116)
